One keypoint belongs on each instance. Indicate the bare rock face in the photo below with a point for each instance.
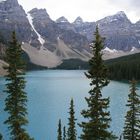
(52, 32)
(118, 31)
(44, 25)
(63, 23)
(40, 31)
(60, 39)
(13, 18)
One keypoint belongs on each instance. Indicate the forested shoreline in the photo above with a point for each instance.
(96, 116)
(124, 68)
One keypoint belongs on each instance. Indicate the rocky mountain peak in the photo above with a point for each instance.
(121, 13)
(11, 11)
(121, 16)
(40, 14)
(118, 17)
(62, 39)
(8, 4)
(138, 22)
(78, 20)
(64, 24)
(13, 17)
(61, 19)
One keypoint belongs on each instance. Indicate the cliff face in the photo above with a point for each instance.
(38, 30)
(13, 17)
(51, 32)
(119, 32)
(45, 40)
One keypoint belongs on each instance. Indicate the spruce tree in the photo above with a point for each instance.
(0, 136)
(16, 99)
(64, 133)
(97, 116)
(132, 118)
(59, 131)
(71, 134)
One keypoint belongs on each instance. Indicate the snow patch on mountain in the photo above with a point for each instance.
(116, 17)
(2, 0)
(62, 20)
(133, 49)
(110, 50)
(40, 39)
(78, 21)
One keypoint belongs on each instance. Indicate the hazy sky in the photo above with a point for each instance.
(89, 10)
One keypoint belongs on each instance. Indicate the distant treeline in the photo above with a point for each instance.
(73, 64)
(124, 68)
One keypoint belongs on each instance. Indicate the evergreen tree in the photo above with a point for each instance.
(0, 137)
(64, 133)
(71, 134)
(59, 131)
(16, 99)
(132, 119)
(98, 118)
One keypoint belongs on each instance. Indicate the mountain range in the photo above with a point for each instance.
(48, 43)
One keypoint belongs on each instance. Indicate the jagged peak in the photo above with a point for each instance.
(39, 12)
(62, 19)
(78, 20)
(10, 2)
(138, 22)
(118, 16)
(122, 13)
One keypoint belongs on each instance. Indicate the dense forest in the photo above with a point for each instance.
(124, 68)
(73, 64)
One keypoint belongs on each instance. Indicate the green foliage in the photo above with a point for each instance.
(73, 64)
(16, 97)
(125, 68)
(64, 133)
(59, 131)
(98, 118)
(71, 134)
(2, 39)
(132, 119)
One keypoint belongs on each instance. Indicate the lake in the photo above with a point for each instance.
(49, 93)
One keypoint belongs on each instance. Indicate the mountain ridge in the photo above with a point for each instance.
(62, 39)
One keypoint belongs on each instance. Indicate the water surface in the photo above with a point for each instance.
(49, 93)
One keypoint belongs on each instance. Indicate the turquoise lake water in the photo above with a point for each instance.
(49, 93)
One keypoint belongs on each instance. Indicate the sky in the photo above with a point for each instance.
(88, 10)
